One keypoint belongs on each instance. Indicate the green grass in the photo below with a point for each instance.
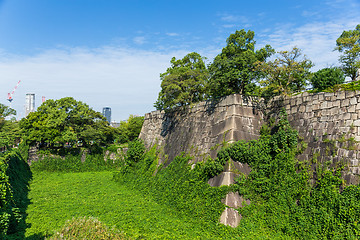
(58, 197)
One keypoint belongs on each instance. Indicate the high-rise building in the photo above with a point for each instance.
(107, 113)
(29, 103)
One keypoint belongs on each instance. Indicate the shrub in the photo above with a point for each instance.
(87, 228)
(327, 77)
(14, 178)
(73, 163)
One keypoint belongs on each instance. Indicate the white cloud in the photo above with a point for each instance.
(172, 34)
(139, 40)
(125, 79)
(316, 39)
(233, 18)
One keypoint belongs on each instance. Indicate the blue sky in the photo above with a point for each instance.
(110, 53)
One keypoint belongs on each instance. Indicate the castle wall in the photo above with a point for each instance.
(328, 122)
(201, 130)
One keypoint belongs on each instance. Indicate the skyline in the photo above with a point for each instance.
(111, 54)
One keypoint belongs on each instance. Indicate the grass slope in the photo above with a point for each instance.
(57, 197)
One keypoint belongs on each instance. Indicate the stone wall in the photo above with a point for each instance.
(328, 122)
(203, 128)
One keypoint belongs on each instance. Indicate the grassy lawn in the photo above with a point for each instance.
(57, 197)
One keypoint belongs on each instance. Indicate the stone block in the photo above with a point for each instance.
(315, 107)
(234, 200)
(305, 94)
(345, 103)
(308, 108)
(349, 122)
(294, 109)
(302, 109)
(350, 94)
(321, 97)
(340, 95)
(336, 103)
(299, 100)
(324, 119)
(353, 101)
(357, 123)
(223, 179)
(324, 105)
(292, 101)
(328, 94)
(230, 217)
(351, 109)
(346, 116)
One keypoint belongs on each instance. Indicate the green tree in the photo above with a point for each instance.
(233, 70)
(5, 111)
(349, 44)
(286, 74)
(9, 130)
(66, 120)
(327, 77)
(130, 129)
(183, 83)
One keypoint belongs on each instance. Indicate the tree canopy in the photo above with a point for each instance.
(9, 129)
(183, 83)
(327, 77)
(286, 74)
(130, 129)
(349, 44)
(233, 70)
(66, 121)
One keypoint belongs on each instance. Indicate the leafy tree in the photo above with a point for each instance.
(9, 130)
(65, 121)
(183, 83)
(349, 44)
(9, 133)
(286, 74)
(129, 130)
(233, 70)
(327, 77)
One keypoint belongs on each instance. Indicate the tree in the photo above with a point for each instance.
(233, 70)
(183, 83)
(129, 130)
(9, 130)
(349, 44)
(66, 120)
(286, 74)
(327, 77)
(5, 111)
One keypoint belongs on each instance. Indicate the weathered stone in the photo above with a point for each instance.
(345, 102)
(349, 94)
(351, 109)
(230, 217)
(340, 95)
(203, 127)
(353, 101)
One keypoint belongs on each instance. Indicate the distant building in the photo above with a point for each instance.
(106, 112)
(29, 103)
(115, 124)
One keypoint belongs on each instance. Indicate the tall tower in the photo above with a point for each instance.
(106, 112)
(29, 103)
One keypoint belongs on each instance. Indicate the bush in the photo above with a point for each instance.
(87, 228)
(73, 163)
(327, 77)
(14, 179)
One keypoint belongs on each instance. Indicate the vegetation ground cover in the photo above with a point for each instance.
(57, 197)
